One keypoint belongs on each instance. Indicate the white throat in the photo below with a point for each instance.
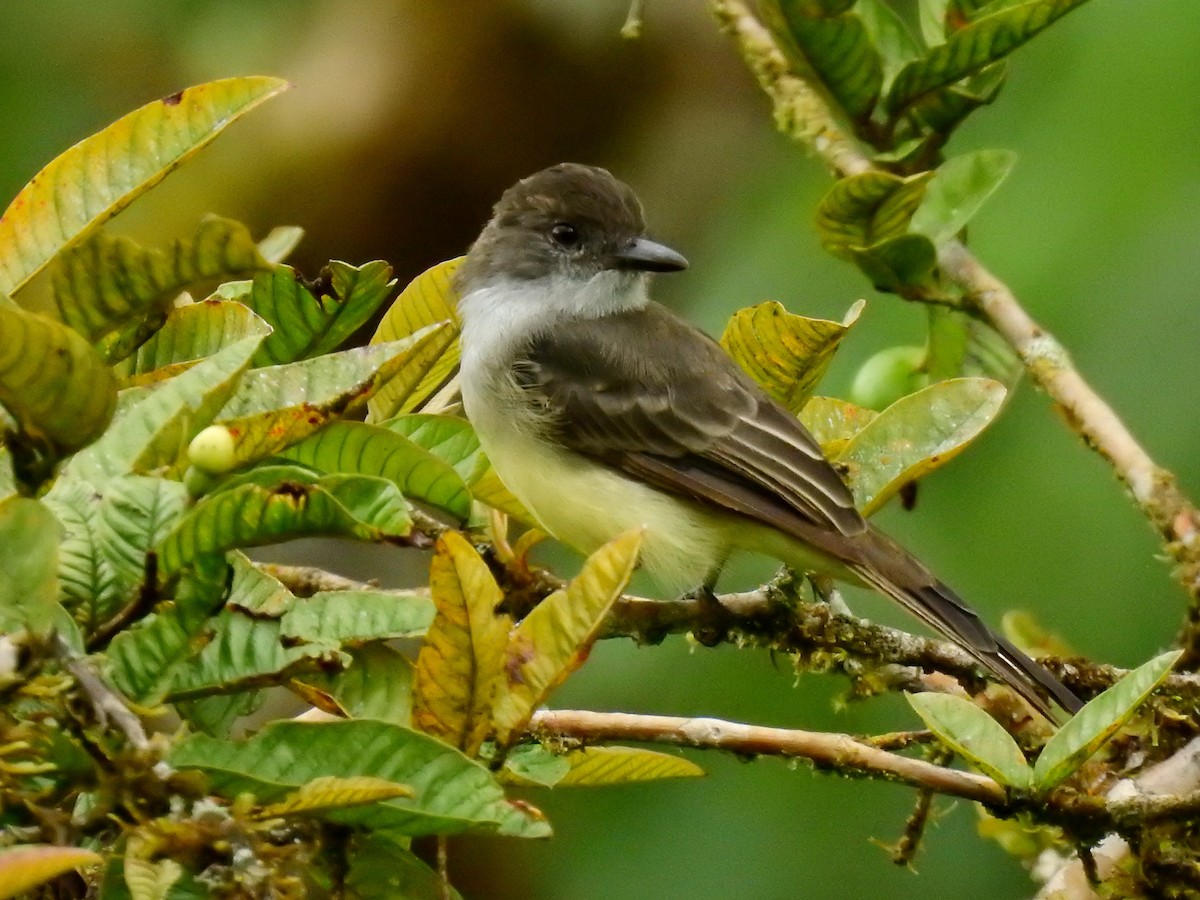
(504, 315)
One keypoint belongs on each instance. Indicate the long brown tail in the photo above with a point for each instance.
(943, 610)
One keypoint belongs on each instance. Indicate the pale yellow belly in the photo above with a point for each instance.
(585, 504)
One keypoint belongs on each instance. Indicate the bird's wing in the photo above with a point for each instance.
(662, 401)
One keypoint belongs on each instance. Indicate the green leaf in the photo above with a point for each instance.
(454, 440)
(358, 448)
(249, 515)
(428, 299)
(25, 866)
(52, 382)
(307, 325)
(915, 435)
(897, 263)
(87, 584)
(890, 35)
(942, 111)
(533, 764)
(136, 512)
(256, 592)
(958, 190)
(117, 293)
(155, 429)
(595, 766)
(973, 734)
(28, 566)
(968, 50)
(217, 714)
(833, 43)
(377, 684)
(452, 793)
(190, 334)
(449, 438)
(142, 659)
(785, 353)
(276, 406)
(1090, 728)
(961, 344)
(338, 617)
(243, 652)
(459, 665)
(380, 867)
(864, 210)
(555, 639)
(102, 174)
(932, 17)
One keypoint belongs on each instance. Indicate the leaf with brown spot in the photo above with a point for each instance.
(98, 177)
(460, 662)
(428, 299)
(555, 639)
(915, 435)
(785, 353)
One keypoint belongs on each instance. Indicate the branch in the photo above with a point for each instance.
(803, 114)
(838, 752)
(106, 702)
(1168, 790)
(1154, 489)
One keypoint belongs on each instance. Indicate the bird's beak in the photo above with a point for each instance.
(644, 255)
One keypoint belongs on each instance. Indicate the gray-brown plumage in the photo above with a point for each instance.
(636, 389)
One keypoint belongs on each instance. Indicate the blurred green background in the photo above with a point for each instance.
(408, 119)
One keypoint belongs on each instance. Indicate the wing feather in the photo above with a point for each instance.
(694, 423)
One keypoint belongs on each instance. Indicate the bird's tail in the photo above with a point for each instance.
(941, 609)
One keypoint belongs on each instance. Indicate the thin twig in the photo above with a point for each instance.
(839, 752)
(1168, 791)
(106, 702)
(914, 826)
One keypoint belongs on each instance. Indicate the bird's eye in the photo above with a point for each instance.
(565, 235)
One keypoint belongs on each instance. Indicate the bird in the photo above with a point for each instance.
(601, 410)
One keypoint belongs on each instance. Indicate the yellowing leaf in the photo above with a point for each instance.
(554, 640)
(25, 866)
(117, 293)
(833, 422)
(102, 174)
(593, 766)
(277, 406)
(190, 334)
(331, 792)
(785, 353)
(52, 381)
(148, 880)
(460, 661)
(915, 435)
(428, 299)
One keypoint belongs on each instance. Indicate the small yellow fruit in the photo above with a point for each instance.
(212, 450)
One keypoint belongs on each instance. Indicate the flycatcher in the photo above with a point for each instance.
(602, 411)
